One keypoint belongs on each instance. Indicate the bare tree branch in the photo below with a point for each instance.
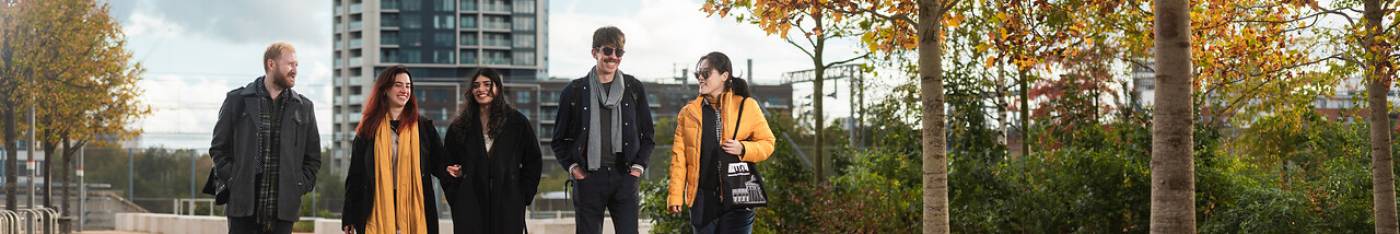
(948, 5)
(866, 55)
(799, 47)
(893, 18)
(1302, 64)
(1139, 63)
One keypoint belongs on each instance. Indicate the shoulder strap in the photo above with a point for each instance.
(742, 103)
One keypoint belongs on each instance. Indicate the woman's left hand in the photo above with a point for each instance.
(454, 170)
(733, 147)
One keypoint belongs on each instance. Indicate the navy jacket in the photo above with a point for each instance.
(571, 124)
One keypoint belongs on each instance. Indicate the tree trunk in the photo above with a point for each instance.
(48, 174)
(67, 167)
(1003, 116)
(1382, 179)
(1382, 176)
(1025, 114)
(818, 94)
(935, 156)
(1173, 174)
(11, 179)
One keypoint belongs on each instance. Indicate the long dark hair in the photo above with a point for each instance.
(721, 63)
(499, 105)
(377, 105)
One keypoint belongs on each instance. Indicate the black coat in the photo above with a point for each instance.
(571, 124)
(494, 190)
(359, 186)
(236, 154)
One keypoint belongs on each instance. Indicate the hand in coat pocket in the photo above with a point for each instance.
(455, 170)
(578, 173)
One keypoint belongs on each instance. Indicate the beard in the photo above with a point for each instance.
(283, 80)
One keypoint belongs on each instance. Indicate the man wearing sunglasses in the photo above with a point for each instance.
(603, 138)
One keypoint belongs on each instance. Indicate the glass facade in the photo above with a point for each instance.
(468, 22)
(524, 40)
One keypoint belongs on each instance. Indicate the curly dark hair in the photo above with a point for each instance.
(499, 105)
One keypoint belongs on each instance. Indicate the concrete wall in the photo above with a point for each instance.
(332, 226)
(170, 223)
(185, 224)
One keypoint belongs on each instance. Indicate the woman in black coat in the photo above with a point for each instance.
(392, 103)
(494, 161)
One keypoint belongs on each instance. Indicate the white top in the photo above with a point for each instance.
(489, 141)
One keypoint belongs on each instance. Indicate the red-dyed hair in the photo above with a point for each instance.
(377, 105)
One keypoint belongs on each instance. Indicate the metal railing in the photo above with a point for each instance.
(9, 221)
(187, 206)
(38, 220)
(554, 214)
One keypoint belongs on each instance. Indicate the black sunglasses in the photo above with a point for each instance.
(609, 51)
(702, 74)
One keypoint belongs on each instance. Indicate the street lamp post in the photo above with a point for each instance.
(33, 167)
(82, 187)
(193, 176)
(130, 175)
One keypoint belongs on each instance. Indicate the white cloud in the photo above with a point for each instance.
(246, 21)
(139, 25)
(189, 71)
(193, 62)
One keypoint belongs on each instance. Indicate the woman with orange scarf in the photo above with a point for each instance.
(388, 189)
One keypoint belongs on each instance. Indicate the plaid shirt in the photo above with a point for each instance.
(269, 138)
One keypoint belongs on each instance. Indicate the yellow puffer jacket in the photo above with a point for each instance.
(685, 151)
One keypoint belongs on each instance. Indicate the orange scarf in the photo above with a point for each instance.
(398, 197)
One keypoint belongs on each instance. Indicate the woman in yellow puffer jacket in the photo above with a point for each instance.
(703, 130)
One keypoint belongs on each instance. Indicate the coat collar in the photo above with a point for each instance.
(727, 100)
(256, 88)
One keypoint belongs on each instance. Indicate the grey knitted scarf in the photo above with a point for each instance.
(609, 100)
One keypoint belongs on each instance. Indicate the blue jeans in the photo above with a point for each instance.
(729, 221)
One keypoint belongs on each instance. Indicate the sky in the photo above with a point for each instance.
(195, 51)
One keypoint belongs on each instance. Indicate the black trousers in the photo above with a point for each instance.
(607, 188)
(250, 225)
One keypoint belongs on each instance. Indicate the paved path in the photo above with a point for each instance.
(120, 232)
